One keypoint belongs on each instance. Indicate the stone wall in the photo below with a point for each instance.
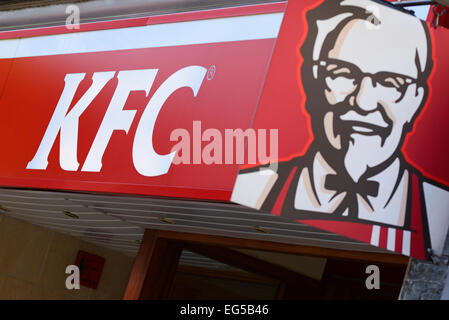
(425, 280)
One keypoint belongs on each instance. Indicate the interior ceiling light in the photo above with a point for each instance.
(260, 229)
(167, 220)
(70, 214)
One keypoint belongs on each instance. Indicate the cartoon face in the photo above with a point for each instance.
(371, 78)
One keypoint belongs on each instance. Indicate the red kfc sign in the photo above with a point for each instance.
(84, 111)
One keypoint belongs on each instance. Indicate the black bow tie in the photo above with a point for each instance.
(342, 183)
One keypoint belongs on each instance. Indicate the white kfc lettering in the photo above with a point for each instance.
(67, 123)
(116, 118)
(146, 161)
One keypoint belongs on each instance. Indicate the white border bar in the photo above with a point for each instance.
(252, 27)
(391, 241)
(375, 235)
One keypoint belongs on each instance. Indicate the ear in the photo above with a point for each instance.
(417, 103)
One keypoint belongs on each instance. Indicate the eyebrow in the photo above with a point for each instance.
(342, 70)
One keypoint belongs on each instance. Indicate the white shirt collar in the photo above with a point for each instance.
(388, 207)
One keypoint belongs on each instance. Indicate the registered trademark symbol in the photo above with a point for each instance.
(211, 72)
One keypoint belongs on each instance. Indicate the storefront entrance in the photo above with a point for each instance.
(255, 269)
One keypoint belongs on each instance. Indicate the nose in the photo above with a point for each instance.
(366, 98)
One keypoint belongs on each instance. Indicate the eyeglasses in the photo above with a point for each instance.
(350, 76)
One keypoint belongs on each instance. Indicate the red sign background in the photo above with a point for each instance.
(34, 86)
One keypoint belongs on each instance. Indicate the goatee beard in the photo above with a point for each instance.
(363, 153)
(353, 161)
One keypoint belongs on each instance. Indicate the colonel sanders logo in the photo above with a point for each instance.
(365, 76)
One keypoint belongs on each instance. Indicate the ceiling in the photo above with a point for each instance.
(118, 222)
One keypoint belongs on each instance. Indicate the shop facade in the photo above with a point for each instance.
(180, 139)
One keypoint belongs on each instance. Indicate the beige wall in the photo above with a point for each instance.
(33, 261)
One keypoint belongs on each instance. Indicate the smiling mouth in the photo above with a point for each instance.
(365, 128)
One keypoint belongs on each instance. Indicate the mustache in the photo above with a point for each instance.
(374, 119)
(348, 120)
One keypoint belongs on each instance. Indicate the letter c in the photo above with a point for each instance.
(146, 161)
